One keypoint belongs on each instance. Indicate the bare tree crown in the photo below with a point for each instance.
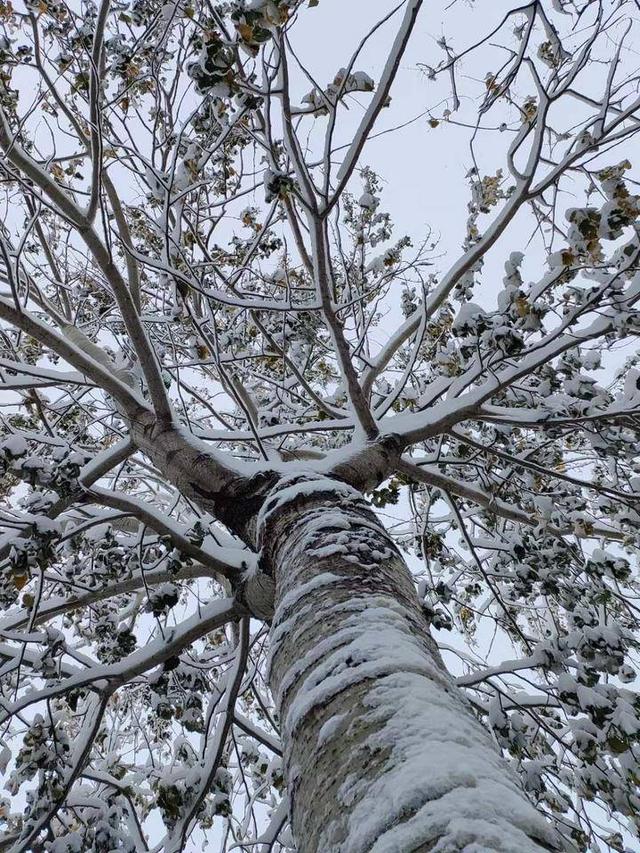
(206, 313)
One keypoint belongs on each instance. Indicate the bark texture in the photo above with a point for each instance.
(382, 752)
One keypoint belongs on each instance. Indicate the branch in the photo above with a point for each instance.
(324, 280)
(213, 755)
(379, 100)
(430, 476)
(84, 742)
(125, 396)
(59, 606)
(158, 521)
(133, 272)
(211, 616)
(21, 160)
(458, 408)
(94, 109)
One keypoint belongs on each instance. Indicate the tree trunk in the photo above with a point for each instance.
(382, 751)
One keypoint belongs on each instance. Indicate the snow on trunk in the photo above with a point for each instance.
(382, 752)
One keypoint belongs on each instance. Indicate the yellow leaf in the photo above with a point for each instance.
(466, 615)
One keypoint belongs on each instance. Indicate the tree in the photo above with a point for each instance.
(221, 370)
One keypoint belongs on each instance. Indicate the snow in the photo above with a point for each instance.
(367, 646)
(450, 789)
(14, 445)
(331, 728)
(370, 636)
(329, 550)
(309, 484)
(468, 316)
(289, 600)
(210, 616)
(452, 783)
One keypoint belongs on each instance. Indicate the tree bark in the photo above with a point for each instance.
(382, 752)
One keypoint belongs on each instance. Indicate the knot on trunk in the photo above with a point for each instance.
(257, 592)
